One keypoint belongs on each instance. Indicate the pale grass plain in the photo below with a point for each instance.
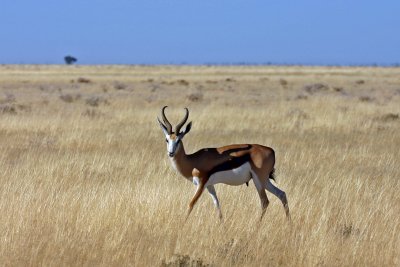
(85, 179)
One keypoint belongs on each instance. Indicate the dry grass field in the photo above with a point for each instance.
(85, 179)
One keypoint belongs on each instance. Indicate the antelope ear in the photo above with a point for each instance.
(162, 126)
(188, 127)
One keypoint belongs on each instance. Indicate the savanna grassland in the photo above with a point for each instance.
(85, 178)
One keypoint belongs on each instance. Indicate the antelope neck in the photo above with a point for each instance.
(182, 163)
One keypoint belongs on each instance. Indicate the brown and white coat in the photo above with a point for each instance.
(232, 165)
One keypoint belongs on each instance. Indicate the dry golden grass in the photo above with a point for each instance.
(85, 179)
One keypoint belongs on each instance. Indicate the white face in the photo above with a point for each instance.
(173, 142)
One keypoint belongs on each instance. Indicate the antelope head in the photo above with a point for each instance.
(173, 138)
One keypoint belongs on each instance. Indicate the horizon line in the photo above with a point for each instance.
(238, 64)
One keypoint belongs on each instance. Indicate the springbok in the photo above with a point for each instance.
(232, 165)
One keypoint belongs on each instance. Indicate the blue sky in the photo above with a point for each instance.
(200, 32)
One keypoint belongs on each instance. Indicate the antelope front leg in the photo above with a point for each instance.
(200, 188)
(213, 194)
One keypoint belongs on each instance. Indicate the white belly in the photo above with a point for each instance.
(236, 176)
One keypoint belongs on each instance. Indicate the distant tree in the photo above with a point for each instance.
(69, 60)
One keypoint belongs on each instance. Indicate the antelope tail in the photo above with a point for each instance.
(272, 175)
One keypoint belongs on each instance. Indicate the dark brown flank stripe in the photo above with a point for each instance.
(231, 164)
(228, 157)
(234, 158)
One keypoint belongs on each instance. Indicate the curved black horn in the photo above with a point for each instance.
(179, 126)
(167, 124)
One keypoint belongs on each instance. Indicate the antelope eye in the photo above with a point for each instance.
(166, 140)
